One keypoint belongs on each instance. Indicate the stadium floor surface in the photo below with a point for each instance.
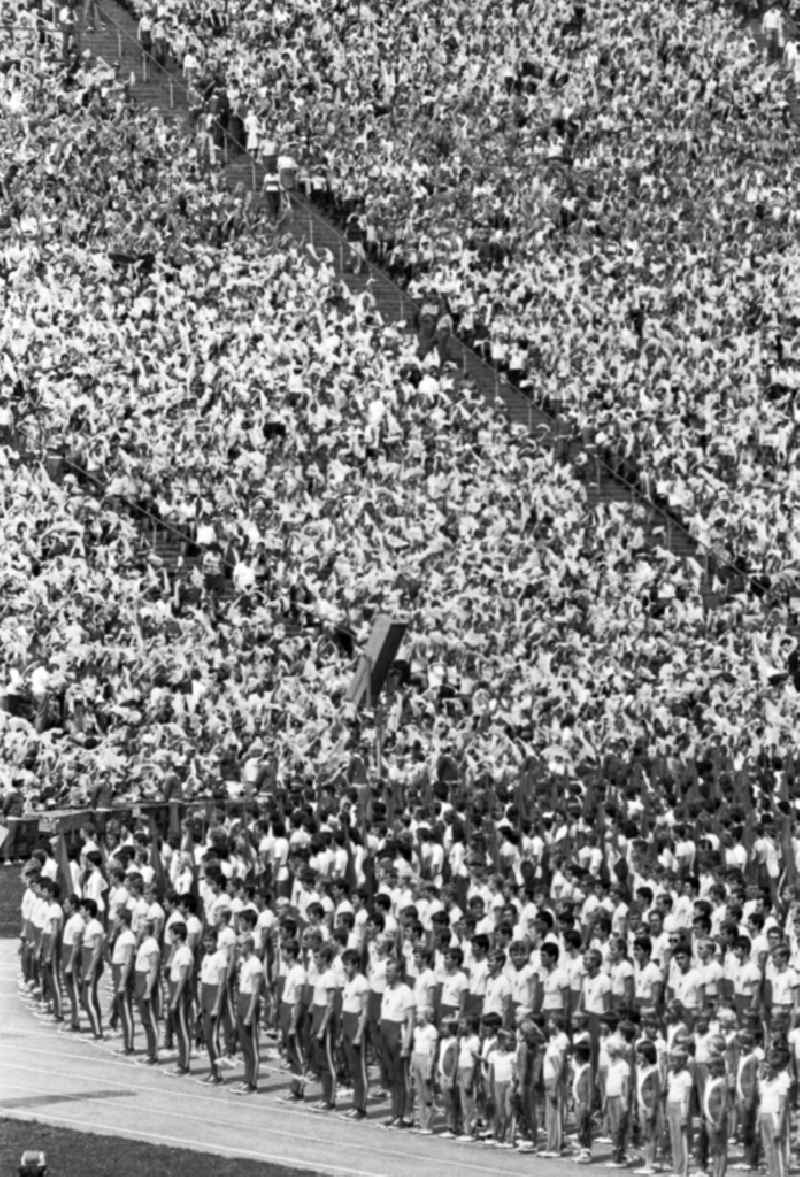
(64, 1079)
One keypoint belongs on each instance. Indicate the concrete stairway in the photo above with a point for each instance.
(163, 88)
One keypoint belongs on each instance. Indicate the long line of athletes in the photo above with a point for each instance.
(638, 1022)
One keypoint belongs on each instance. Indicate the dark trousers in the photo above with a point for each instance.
(356, 1059)
(181, 1018)
(91, 1002)
(147, 1016)
(583, 1122)
(392, 1045)
(51, 985)
(748, 1119)
(374, 1035)
(73, 984)
(292, 1038)
(211, 1026)
(248, 1039)
(322, 1059)
(227, 1018)
(126, 1015)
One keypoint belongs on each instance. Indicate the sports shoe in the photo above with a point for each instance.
(465, 1138)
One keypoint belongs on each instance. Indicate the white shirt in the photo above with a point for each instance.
(181, 958)
(294, 984)
(73, 930)
(249, 975)
(213, 966)
(144, 953)
(354, 994)
(124, 946)
(396, 1003)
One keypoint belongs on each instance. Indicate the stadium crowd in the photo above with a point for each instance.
(604, 200)
(160, 329)
(572, 992)
(556, 890)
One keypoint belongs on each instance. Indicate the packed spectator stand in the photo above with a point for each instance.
(152, 233)
(580, 721)
(574, 187)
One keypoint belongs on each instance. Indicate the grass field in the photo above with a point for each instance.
(80, 1154)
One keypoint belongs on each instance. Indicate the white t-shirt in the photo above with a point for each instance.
(594, 990)
(396, 1003)
(213, 967)
(354, 994)
(73, 931)
(146, 950)
(249, 975)
(181, 958)
(784, 987)
(453, 985)
(124, 946)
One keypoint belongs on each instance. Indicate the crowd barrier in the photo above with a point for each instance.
(11, 889)
(19, 836)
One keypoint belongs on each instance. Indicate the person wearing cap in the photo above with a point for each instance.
(250, 978)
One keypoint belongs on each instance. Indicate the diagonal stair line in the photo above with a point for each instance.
(163, 87)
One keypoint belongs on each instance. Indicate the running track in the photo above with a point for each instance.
(66, 1079)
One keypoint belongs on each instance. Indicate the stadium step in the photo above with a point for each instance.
(163, 88)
